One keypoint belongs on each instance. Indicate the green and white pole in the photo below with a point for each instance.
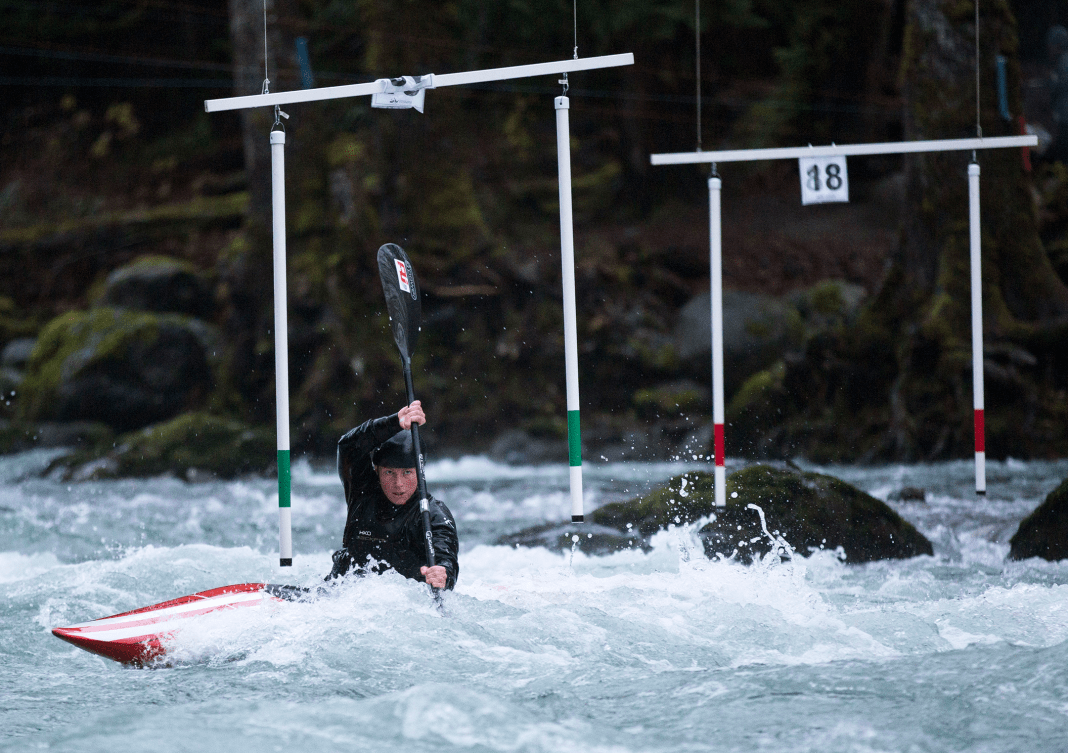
(567, 261)
(281, 344)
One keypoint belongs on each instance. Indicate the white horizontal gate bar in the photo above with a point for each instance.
(440, 80)
(889, 147)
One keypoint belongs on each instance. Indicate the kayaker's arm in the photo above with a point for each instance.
(354, 452)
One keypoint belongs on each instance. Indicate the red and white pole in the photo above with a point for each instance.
(977, 327)
(716, 262)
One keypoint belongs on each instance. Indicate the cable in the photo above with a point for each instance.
(574, 19)
(267, 80)
(978, 127)
(697, 36)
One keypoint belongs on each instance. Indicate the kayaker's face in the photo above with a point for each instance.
(398, 484)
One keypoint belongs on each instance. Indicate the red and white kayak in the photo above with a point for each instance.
(139, 636)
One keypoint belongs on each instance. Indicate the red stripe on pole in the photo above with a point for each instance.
(718, 429)
(980, 436)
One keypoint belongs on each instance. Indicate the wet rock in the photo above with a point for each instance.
(519, 447)
(908, 494)
(123, 368)
(684, 499)
(678, 397)
(16, 354)
(19, 437)
(802, 511)
(191, 446)
(757, 329)
(811, 511)
(626, 525)
(591, 538)
(72, 434)
(828, 304)
(1044, 533)
(160, 284)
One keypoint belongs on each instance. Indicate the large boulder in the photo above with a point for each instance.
(757, 328)
(810, 511)
(191, 446)
(160, 284)
(124, 368)
(1044, 533)
(802, 511)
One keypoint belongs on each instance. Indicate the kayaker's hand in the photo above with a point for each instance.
(435, 576)
(411, 414)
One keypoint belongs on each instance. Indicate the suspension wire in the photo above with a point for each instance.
(574, 22)
(697, 36)
(267, 80)
(978, 126)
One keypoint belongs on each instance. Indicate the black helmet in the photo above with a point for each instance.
(395, 452)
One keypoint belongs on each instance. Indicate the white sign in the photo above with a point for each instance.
(824, 180)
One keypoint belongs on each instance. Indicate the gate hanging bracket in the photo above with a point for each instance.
(402, 92)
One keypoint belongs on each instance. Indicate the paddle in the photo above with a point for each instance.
(403, 305)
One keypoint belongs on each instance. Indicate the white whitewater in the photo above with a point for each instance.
(540, 651)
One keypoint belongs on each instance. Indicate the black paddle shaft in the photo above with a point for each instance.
(404, 307)
(419, 473)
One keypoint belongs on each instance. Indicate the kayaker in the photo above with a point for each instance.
(377, 465)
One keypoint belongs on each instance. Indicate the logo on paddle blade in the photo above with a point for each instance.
(402, 275)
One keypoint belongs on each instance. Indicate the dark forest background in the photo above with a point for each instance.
(855, 341)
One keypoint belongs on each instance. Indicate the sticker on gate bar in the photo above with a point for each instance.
(824, 180)
(402, 276)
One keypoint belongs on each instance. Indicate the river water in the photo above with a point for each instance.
(538, 651)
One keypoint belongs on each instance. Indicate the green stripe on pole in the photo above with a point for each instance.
(283, 478)
(574, 438)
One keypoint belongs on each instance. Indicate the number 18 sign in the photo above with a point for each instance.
(824, 180)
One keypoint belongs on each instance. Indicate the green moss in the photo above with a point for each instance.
(77, 341)
(192, 442)
(810, 511)
(670, 399)
(15, 323)
(826, 298)
(684, 499)
(756, 390)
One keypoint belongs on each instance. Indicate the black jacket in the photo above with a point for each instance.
(378, 529)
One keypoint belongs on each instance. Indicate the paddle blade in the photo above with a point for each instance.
(402, 296)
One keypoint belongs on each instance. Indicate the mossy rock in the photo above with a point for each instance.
(13, 322)
(811, 511)
(1044, 533)
(684, 499)
(89, 436)
(158, 283)
(672, 398)
(124, 368)
(188, 446)
(589, 538)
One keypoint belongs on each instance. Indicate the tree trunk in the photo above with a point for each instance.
(1020, 285)
(246, 35)
(897, 385)
(1025, 304)
(247, 270)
